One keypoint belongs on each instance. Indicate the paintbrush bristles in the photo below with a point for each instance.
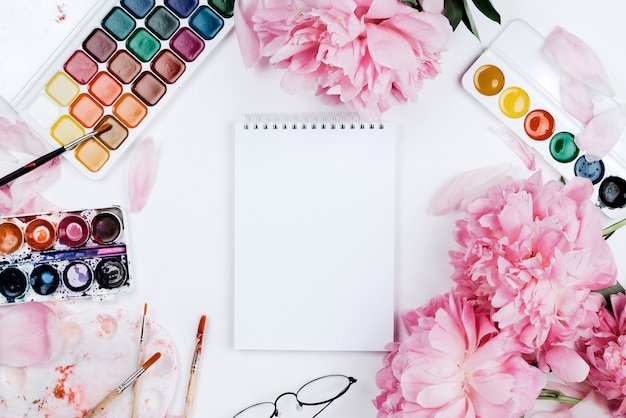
(151, 360)
(201, 324)
(103, 128)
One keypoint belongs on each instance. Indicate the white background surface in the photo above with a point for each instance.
(182, 242)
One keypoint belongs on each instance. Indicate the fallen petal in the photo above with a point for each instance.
(575, 99)
(31, 184)
(141, 174)
(574, 57)
(602, 133)
(465, 187)
(31, 335)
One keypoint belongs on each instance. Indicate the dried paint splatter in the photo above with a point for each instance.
(59, 389)
(61, 15)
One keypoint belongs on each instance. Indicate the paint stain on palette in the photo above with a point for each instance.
(501, 80)
(125, 60)
(99, 352)
(63, 255)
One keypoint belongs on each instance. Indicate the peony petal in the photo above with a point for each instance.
(465, 187)
(575, 99)
(592, 405)
(602, 133)
(19, 137)
(249, 44)
(384, 9)
(25, 188)
(31, 335)
(439, 395)
(142, 174)
(572, 56)
(567, 364)
(390, 49)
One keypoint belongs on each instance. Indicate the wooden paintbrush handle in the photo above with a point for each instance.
(103, 404)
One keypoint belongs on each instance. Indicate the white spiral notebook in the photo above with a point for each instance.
(314, 233)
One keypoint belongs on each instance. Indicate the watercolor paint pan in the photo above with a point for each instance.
(63, 255)
(515, 83)
(120, 66)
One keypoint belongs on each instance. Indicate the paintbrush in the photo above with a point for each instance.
(139, 356)
(52, 154)
(121, 388)
(191, 386)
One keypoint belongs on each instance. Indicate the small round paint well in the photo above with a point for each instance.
(77, 276)
(105, 227)
(73, 231)
(168, 66)
(40, 234)
(592, 170)
(92, 154)
(489, 80)
(539, 124)
(44, 279)
(13, 283)
(110, 273)
(612, 192)
(514, 102)
(562, 147)
(11, 238)
(187, 44)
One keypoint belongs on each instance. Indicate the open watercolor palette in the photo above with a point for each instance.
(63, 255)
(120, 66)
(99, 352)
(516, 84)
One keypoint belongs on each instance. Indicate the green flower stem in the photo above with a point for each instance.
(554, 395)
(609, 230)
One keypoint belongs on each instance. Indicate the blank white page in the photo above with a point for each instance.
(314, 235)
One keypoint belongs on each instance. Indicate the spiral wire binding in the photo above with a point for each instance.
(328, 120)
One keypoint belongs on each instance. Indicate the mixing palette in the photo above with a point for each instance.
(513, 81)
(120, 67)
(63, 255)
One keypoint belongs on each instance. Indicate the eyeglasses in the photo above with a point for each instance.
(320, 391)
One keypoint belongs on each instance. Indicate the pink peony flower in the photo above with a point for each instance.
(455, 363)
(359, 52)
(605, 351)
(535, 253)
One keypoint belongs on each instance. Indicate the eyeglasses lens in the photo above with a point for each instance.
(323, 390)
(261, 410)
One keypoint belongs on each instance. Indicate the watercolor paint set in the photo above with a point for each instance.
(63, 255)
(519, 87)
(119, 66)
